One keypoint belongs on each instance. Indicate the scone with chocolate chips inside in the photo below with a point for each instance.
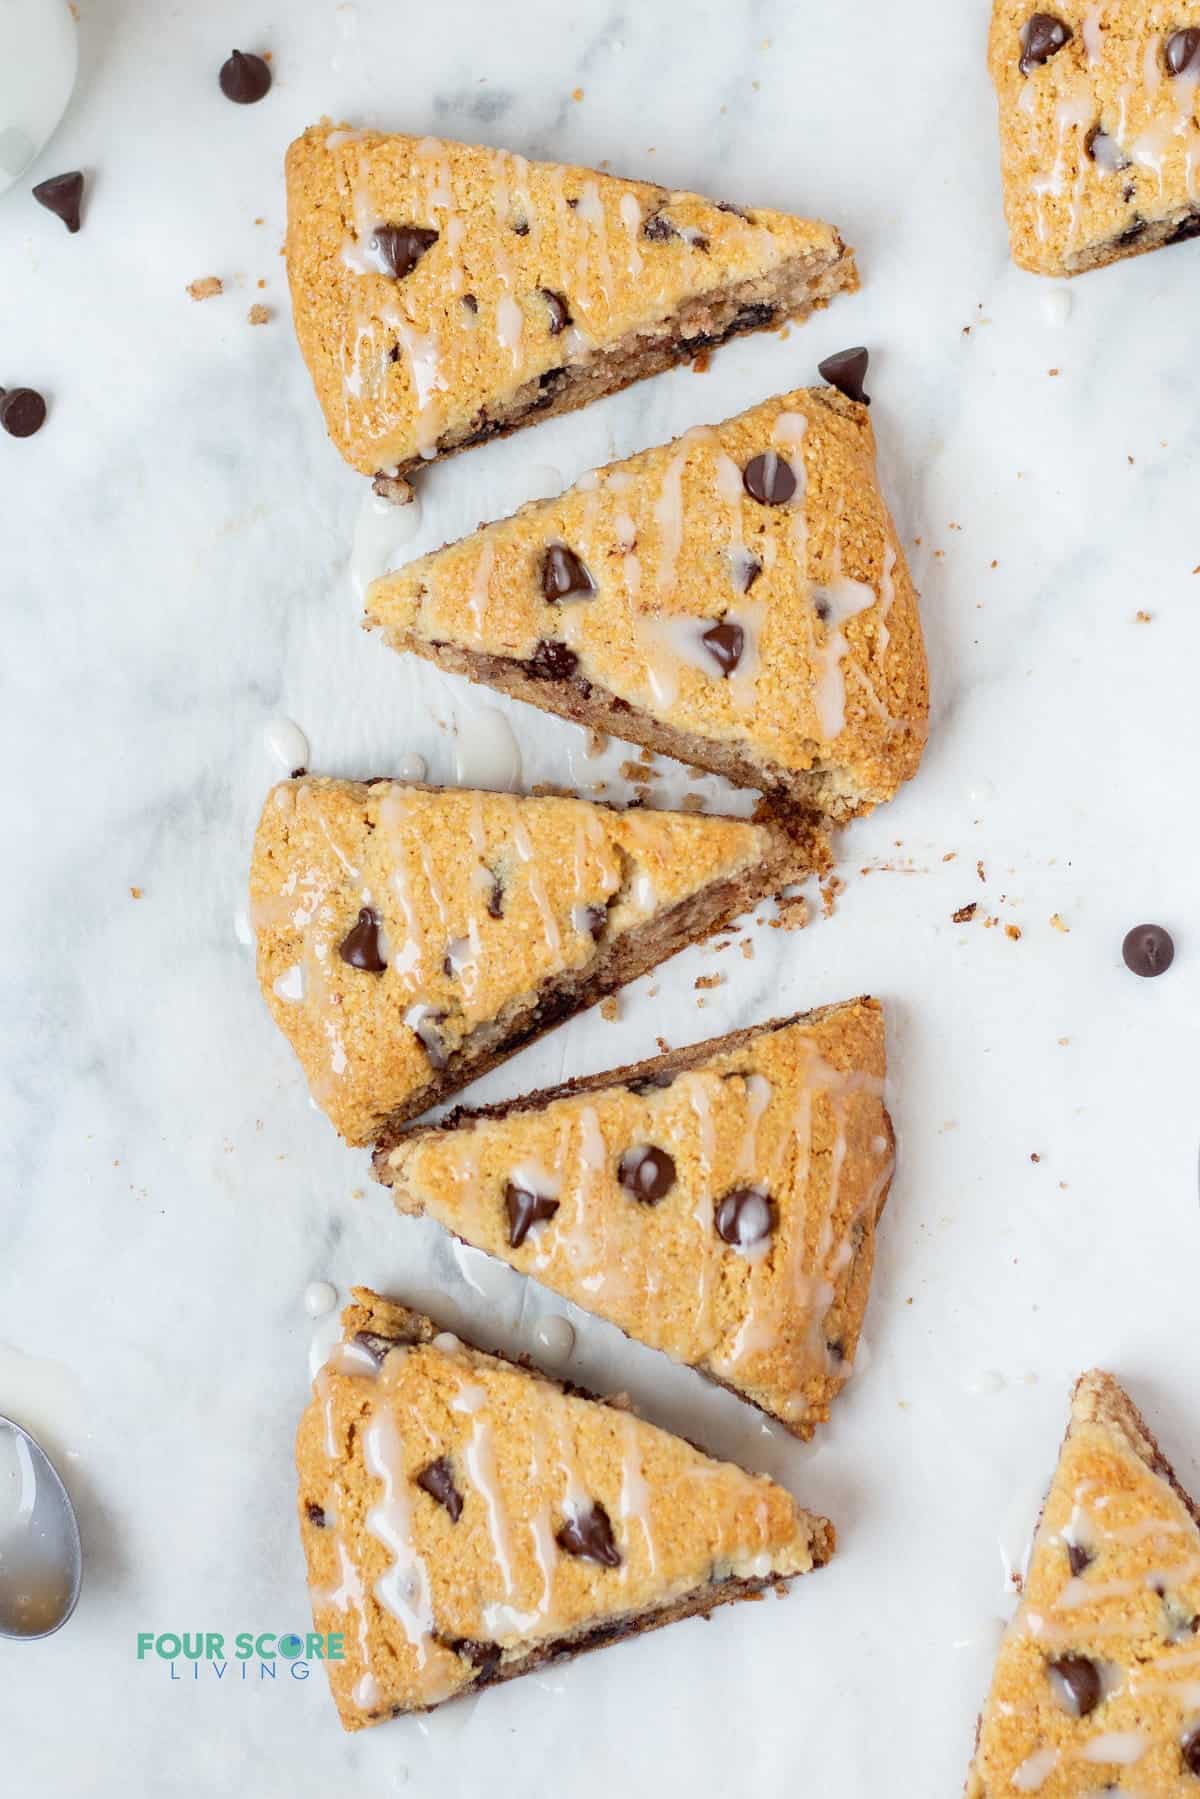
(447, 293)
(409, 937)
(466, 1520)
(1097, 1683)
(718, 1202)
(1099, 128)
(737, 599)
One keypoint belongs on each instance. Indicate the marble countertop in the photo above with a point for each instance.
(175, 577)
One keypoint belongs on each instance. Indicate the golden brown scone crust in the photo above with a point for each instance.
(792, 1111)
(827, 699)
(583, 895)
(1109, 1622)
(1100, 144)
(536, 268)
(430, 1604)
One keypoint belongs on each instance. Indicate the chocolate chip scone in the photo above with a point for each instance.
(409, 938)
(737, 599)
(718, 1202)
(1097, 1683)
(1099, 128)
(466, 1520)
(446, 293)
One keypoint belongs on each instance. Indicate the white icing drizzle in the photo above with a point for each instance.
(537, 887)
(1152, 65)
(887, 599)
(590, 211)
(1093, 42)
(1075, 111)
(481, 578)
(404, 1589)
(703, 1210)
(510, 320)
(480, 1458)
(845, 599)
(668, 512)
(1035, 1770)
(631, 218)
(421, 348)
(290, 985)
(635, 1494)
(1122, 1747)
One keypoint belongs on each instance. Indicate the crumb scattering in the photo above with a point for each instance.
(1143, 618)
(980, 871)
(1059, 923)
(709, 980)
(793, 914)
(692, 802)
(610, 1011)
(597, 742)
(965, 914)
(1013, 931)
(748, 948)
(259, 315)
(663, 1045)
(206, 287)
(577, 93)
(829, 894)
(135, 893)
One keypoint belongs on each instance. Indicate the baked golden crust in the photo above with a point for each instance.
(792, 1112)
(1097, 1683)
(1100, 140)
(815, 683)
(435, 1596)
(544, 285)
(491, 918)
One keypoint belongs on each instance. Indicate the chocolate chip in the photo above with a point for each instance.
(1081, 1690)
(22, 411)
(378, 1346)
(360, 946)
(1079, 1557)
(316, 1514)
(1148, 950)
(591, 919)
(471, 303)
(495, 899)
(698, 241)
(481, 1655)
(737, 211)
(646, 1172)
(402, 246)
(822, 605)
(1183, 49)
(744, 1217)
(458, 951)
(521, 227)
(590, 1535)
(769, 478)
(424, 1027)
(1105, 151)
(244, 79)
(724, 642)
(438, 1481)
(560, 318)
(746, 571)
(564, 576)
(650, 1083)
(1190, 1750)
(552, 661)
(1042, 36)
(1186, 228)
(658, 229)
(847, 370)
(61, 195)
(1134, 232)
(525, 1209)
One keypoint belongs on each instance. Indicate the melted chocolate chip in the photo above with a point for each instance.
(1148, 950)
(564, 576)
(315, 1514)
(744, 1217)
(425, 1028)
(1042, 36)
(402, 246)
(482, 1655)
(378, 1346)
(471, 303)
(1134, 232)
(525, 1209)
(552, 661)
(22, 411)
(822, 606)
(438, 1481)
(591, 919)
(847, 370)
(590, 1535)
(1190, 1750)
(1079, 1557)
(244, 78)
(647, 1172)
(769, 478)
(495, 899)
(61, 195)
(360, 946)
(458, 951)
(650, 1083)
(737, 211)
(724, 642)
(746, 571)
(1105, 151)
(556, 305)
(658, 229)
(521, 227)
(1183, 49)
(1081, 1688)
(1186, 228)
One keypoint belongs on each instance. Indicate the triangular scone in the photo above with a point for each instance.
(410, 937)
(718, 1202)
(1097, 1683)
(737, 599)
(445, 293)
(466, 1520)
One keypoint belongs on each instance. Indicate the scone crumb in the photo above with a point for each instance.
(748, 948)
(965, 914)
(577, 93)
(663, 1046)
(610, 1009)
(1059, 923)
(258, 315)
(981, 871)
(829, 894)
(793, 914)
(135, 893)
(692, 802)
(206, 287)
(597, 742)
(1013, 931)
(950, 856)
(708, 980)
(1143, 618)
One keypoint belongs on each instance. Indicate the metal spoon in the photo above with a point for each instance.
(41, 1560)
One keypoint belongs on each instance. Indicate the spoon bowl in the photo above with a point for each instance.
(41, 1559)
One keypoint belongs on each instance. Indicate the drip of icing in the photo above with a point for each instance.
(1122, 1747)
(537, 887)
(845, 599)
(535, 1177)
(668, 512)
(477, 598)
(702, 1212)
(635, 1494)
(480, 1458)
(1151, 148)
(1093, 43)
(887, 599)
(486, 753)
(1035, 1770)
(404, 1589)
(421, 348)
(555, 1338)
(380, 530)
(290, 985)
(590, 211)
(1152, 65)
(631, 218)
(286, 743)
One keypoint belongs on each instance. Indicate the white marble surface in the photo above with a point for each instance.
(175, 576)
